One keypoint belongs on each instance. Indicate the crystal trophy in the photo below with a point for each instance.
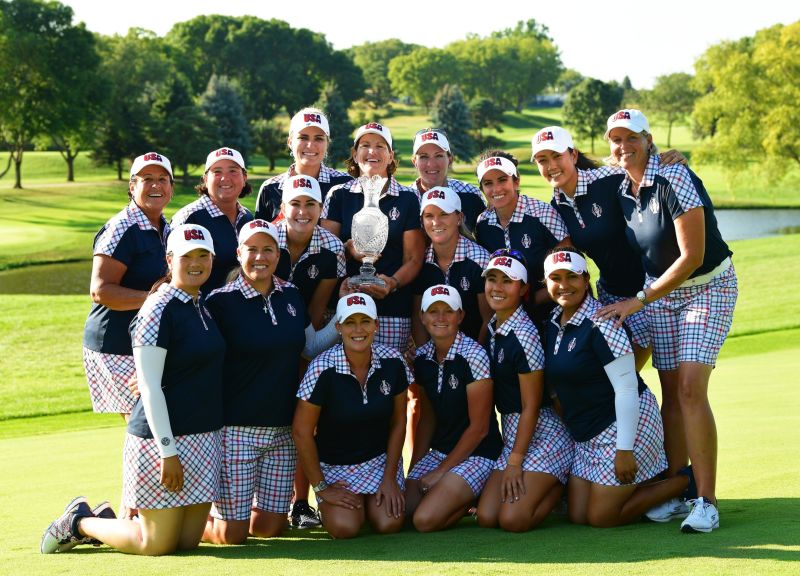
(370, 231)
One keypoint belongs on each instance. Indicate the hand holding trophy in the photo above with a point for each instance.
(370, 231)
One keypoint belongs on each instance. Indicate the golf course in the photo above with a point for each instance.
(54, 448)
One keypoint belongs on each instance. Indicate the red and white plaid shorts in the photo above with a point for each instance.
(475, 470)
(108, 376)
(363, 478)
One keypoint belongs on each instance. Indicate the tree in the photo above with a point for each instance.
(748, 104)
(672, 98)
(567, 80)
(485, 113)
(420, 73)
(223, 105)
(589, 105)
(339, 123)
(46, 65)
(373, 59)
(269, 138)
(451, 114)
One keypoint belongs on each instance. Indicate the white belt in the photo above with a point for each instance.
(708, 276)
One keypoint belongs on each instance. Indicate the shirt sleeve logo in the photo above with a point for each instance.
(385, 388)
(165, 441)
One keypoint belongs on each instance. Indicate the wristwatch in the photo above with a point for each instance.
(317, 488)
(641, 296)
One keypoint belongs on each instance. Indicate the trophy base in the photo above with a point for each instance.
(366, 280)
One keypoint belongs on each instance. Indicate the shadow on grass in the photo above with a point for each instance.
(763, 529)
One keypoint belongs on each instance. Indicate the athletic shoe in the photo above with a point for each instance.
(102, 510)
(704, 517)
(669, 510)
(62, 535)
(304, 516)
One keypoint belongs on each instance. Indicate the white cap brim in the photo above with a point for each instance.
(509, 266)
(355, 303)
(441, 293)
(224, 154)
(496, 163)
(257, 226)
(564, 260)
(301, 185)
(187, 237)
(443, 197)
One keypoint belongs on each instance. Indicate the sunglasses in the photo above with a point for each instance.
(511, 253)
(437, 130)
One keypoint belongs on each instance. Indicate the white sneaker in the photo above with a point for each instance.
(669, 510)
(704, 517)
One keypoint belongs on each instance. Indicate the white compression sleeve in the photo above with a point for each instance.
(149, 370)
(622, 373)
(317, 342)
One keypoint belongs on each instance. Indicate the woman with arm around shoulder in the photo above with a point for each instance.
(530, 473)
(401, 259)
(458, 439)
(218, 209)
(172, 454)
(349, 425)
(689, 296)
(610, 413)
(129, 257)
(308, 141)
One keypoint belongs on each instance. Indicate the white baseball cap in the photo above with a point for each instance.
(224, 154)
(553, 138)
(509, 266)
(374, 128)
(629, 118)
(309, 117)
(301, 186)
(443, 197)
(564, 260)
(441, 293)
(430, 136)
(150, 159)
(258, 226)
(187, 237)
(496, 163)
(356, 303)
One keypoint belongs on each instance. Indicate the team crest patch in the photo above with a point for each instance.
(653, 205)
(313, 271)
(526, 241)
(571, 345)
(385, 388)
(291, 310)
(394, 213)
(500, 356)
(464, 283)
(453, 381)
(596, 210)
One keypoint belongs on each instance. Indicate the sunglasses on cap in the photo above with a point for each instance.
(510, 252)
(437, 130)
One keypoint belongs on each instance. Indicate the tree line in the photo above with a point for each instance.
(228, 79)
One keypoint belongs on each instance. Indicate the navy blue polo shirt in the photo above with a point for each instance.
(596, 226)
(265, 338)
(534, 228)
(130, 238)
(354, 422)
(514, 349)
(192, 377)
(268, 203)
(204, 212)
(464, 274)
(401, 206)
(574, 358)
(322, 259)
(446, 386)
(667, 192)
(472, 202)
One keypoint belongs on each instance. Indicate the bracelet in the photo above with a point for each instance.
(515, 459)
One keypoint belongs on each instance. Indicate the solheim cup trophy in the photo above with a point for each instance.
(370, 231)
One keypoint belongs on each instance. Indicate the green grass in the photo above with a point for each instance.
(756, 404)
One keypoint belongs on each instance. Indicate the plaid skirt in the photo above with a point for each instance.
(363, 478)
(108, 376)
(475, 470)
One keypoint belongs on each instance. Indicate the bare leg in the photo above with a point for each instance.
(444, 505)
(641, 356)
(542, 493)
(489, 503)
(699, 426)
(379, 520)
(265, 524)
(220, 531)
(617, 505)
(672, 415)
(340, 522)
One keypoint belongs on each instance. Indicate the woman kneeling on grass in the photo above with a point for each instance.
(172, 454)
(458, 439)
(354, 395)
(529, 475)
(609, 411)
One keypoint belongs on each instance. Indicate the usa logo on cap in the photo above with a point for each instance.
(356, 301)
(544, 137)
(622, 115)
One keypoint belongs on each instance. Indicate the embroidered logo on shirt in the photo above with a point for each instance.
(571, 345)
(291, 310)
(165, 441)
(653, 205)
(526, 241)
(596, 210)
(385, 388)
(313, 271)
(500, 356)
(453, 381)
(394, 213)
(464, 283)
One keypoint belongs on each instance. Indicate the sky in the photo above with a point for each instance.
(602, 40)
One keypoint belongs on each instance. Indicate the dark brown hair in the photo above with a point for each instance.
(202, 189)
